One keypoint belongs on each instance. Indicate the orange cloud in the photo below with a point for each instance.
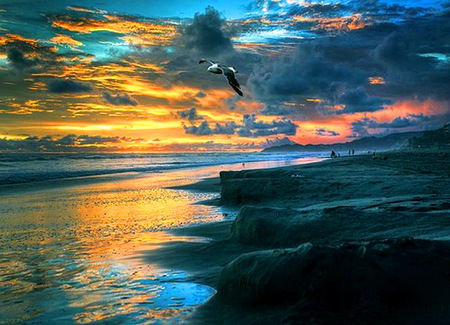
(352, 22)
(314, 100)
(11, 38)
(140, 32)
(342, 123)
(65, 40)
(151, 66)
(376, 81)
(26, 108)
(357, 22)
(404, 108)
(129, 125)
(140, 87)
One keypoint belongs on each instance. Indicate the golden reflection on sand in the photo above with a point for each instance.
(72, 253)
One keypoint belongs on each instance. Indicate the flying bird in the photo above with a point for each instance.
(228, 72)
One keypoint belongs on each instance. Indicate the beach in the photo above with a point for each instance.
(351, 240)
(74, 249)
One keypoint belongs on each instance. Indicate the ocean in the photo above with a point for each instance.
(30, 167)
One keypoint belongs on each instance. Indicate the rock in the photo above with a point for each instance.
(401, 281)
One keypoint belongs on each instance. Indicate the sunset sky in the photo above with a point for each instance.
(124, 75)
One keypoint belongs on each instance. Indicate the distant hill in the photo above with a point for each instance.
(435, 139)
(389, 142)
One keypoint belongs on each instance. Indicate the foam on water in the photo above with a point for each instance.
(25, 167)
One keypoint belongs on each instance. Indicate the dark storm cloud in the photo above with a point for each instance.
(306, 72)
(403, 122)
(201, 94)
(326, 133)
(357, 100)
(319, 9)
(61, 86)
(226, 128)
(73, 139)
(120, 99)
(253, 128)
(205, 129)
(277, 142)
(202, 129)
(411, 55)
(18, 61)
(191, 115)
(361, 128)
(374, 9)
(275, 110)
(394, 52)
(88, 140)
(416, 59)
(70, 142)
(250, 127)
(206, 34)
(385, 10)
(27, 54)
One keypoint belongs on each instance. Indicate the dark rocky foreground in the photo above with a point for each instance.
(400, 281)
(356, 240)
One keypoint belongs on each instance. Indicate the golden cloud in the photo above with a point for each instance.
(26, 108)
(65, 40)
(11, 38)
(136, 32)
(356, 21)
(376, 81)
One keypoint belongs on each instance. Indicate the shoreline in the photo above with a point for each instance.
(66, 182)
(94, 235)
(395, 200)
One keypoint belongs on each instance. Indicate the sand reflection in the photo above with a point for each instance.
(71, 253)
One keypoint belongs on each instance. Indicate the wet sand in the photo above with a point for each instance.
(71, 249)
(354, 240)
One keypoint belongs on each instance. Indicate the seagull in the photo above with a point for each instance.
(228, 72)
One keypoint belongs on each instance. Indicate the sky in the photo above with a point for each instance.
(115, 75)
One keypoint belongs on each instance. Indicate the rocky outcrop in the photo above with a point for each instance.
(285, 227)
(401, 281)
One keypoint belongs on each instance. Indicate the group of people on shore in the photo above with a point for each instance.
(335, 155)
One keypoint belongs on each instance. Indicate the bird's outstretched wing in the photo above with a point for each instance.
(206, 60)
(236, 89)
(229, 74)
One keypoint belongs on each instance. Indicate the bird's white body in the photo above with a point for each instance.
(215, 69)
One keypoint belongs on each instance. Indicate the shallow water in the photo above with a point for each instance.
(70, 253)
